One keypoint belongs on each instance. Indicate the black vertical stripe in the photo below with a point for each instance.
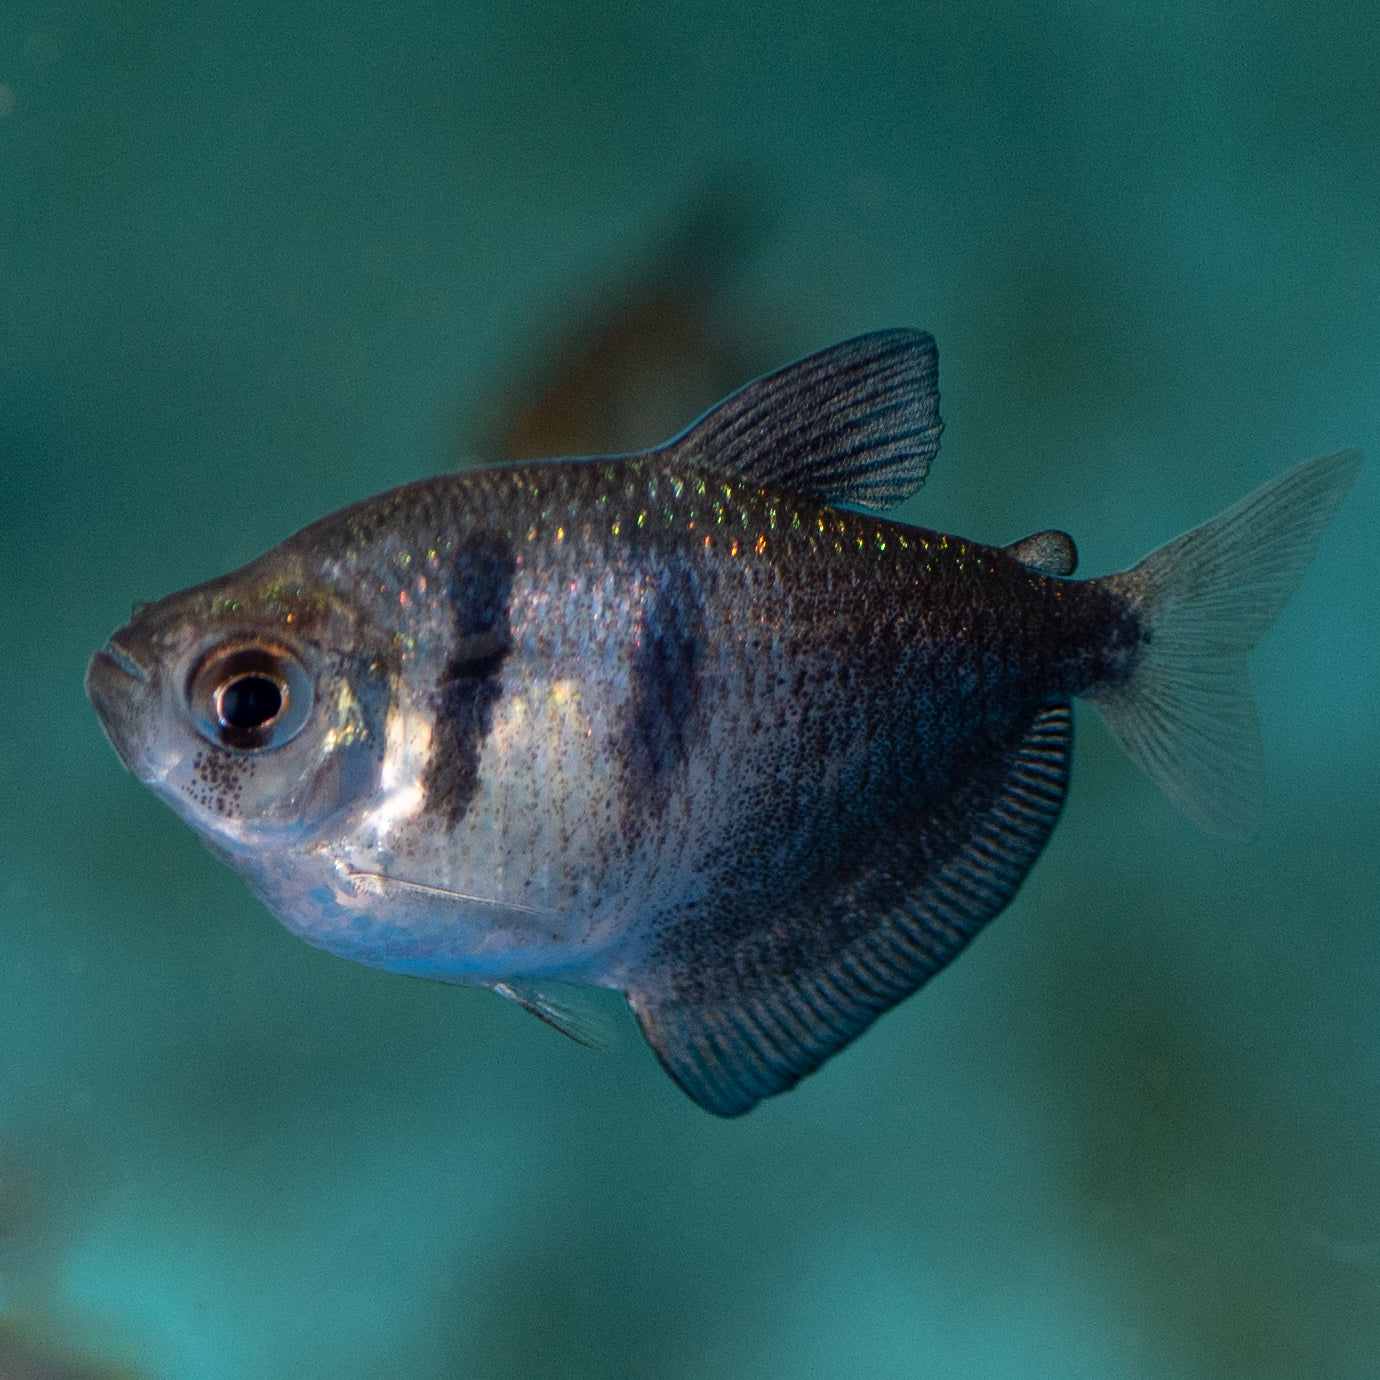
(480, 588)
(662, 712)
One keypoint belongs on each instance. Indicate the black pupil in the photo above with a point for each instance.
(250, 702)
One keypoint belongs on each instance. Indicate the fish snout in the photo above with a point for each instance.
(122, 658)
(120, 686)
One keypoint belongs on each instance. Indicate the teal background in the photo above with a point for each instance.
(255, 260)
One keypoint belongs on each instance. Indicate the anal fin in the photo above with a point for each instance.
(763, 1030)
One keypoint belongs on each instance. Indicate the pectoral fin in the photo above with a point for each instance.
(574, 1016)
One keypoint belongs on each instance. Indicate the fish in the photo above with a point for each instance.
(698, 724)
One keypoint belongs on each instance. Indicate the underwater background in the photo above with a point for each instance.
(260, 260)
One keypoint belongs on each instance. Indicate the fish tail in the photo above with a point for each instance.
(1185, 714)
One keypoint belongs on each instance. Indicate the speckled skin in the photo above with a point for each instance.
(632, 723)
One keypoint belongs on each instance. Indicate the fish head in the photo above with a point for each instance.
(252, 705)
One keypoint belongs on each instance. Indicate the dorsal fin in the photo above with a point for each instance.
(749, 1022)
(1049, 553)
(857, 423)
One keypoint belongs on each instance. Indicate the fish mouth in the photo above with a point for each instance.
(114, 656)
(117, 685)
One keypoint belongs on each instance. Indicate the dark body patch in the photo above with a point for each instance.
(904, 701)
(479, 586)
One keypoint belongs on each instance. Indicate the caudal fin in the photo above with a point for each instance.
(1186, 715)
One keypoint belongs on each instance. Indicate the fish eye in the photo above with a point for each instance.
(248, 702)
(250, 696)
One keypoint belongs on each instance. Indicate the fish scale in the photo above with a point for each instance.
(676, 724)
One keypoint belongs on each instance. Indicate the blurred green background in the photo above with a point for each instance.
(257, 260)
